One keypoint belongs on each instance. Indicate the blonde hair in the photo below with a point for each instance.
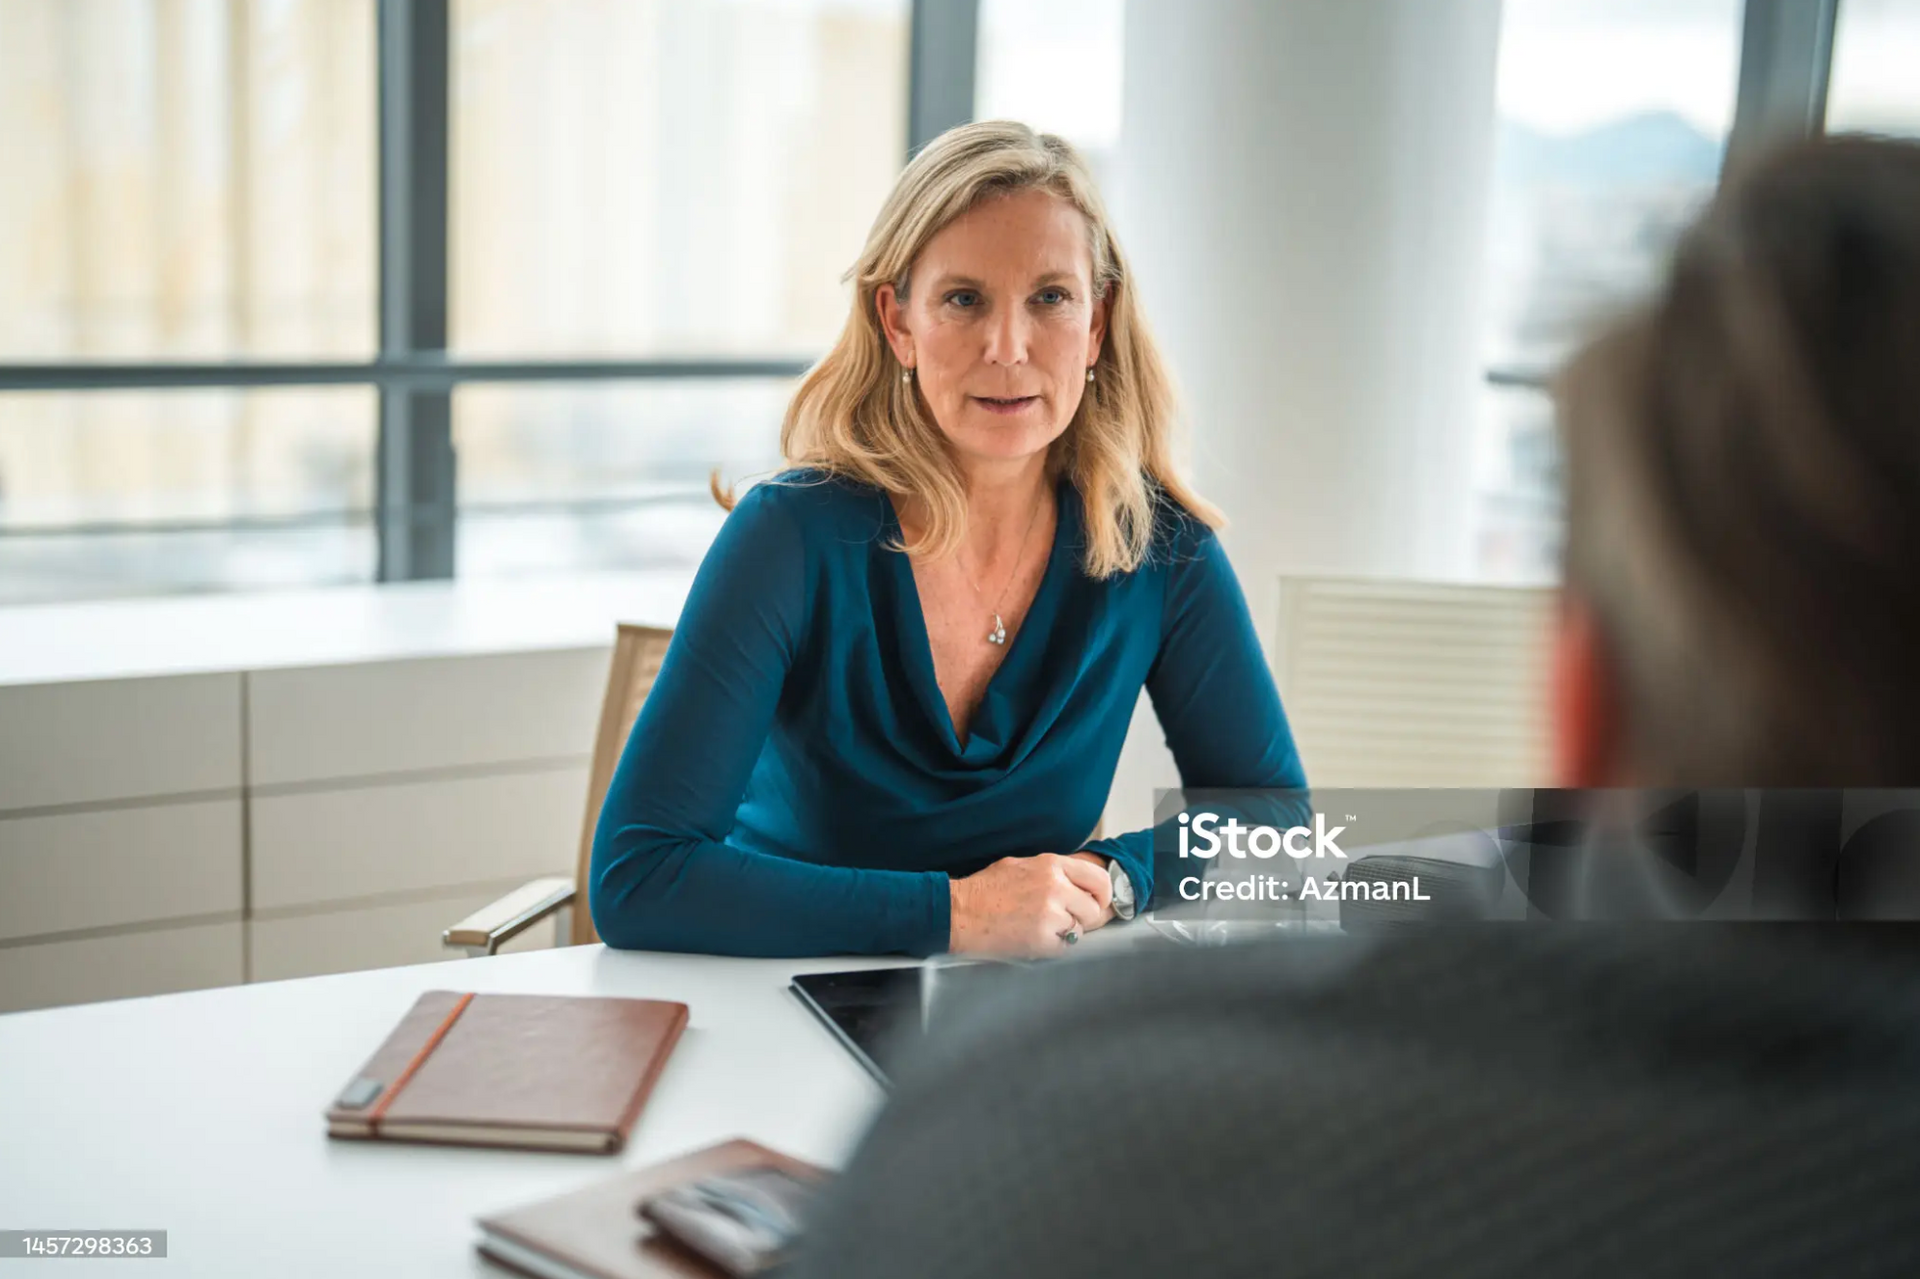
(854, 417)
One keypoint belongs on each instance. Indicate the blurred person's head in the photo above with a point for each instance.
(990, 288)
(1742, 559)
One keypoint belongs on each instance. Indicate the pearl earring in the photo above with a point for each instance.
(906, 374)
(1089, 375)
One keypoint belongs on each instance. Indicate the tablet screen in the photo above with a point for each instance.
(874, 1012)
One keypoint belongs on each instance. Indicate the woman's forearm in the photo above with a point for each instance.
(653, 890)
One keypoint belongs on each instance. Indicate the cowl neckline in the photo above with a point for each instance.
(1018, 705)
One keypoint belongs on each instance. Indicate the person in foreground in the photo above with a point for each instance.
(890, 714)
(1742, 607)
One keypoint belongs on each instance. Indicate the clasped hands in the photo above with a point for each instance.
(1024, 906)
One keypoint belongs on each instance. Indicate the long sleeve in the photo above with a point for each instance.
(1214, 696)
(662, 875)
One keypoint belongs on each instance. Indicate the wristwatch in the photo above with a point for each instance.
(1123, 903)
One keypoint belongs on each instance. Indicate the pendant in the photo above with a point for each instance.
(998, 635)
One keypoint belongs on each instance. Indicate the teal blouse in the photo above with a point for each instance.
(794, 785)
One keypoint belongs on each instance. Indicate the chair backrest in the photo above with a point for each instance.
(637, 654)
(1405, 684)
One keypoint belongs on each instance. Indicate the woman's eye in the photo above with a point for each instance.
(963, 297)
(1051, 297)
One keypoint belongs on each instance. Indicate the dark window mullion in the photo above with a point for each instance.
(415, 466)
(1786, 58)
(1786, 54)
(944, 41)
(428, 371)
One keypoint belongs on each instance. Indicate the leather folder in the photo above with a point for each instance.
(596, 1232)
(550, 1072)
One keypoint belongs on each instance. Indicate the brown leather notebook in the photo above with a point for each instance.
(552, 1072)
(596, 1233)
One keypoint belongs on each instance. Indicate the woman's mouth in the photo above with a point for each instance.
(1007, 405)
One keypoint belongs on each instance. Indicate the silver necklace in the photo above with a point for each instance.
(998, 635)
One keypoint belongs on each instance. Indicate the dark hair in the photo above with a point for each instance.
(1743, 463)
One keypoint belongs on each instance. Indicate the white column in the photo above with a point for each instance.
(1301, 186)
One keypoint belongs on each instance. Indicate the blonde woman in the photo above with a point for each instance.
(892, 708)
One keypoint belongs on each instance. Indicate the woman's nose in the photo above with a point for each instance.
(1007, 337)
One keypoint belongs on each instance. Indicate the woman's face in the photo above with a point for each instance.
(1000, 324)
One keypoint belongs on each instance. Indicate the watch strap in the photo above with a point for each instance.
(1125, 904)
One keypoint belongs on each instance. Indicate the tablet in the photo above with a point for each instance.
(879, 1013)
(874, 1013)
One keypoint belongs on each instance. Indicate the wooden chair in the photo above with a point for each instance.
(637, 653)
(1415, 684)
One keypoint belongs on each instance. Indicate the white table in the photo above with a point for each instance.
(200, 1113)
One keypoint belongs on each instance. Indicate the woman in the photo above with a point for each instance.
(892, 708)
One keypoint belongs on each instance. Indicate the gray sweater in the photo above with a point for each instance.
(1505, 1100)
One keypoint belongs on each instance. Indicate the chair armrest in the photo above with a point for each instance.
(484, 931)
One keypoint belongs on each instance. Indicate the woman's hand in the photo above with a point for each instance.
(1020, 906)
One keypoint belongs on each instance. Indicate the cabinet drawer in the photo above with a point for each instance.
(369, 841)
(321, 723)
(118, 866)
(158, 962)
(118, 739)
(374, 936)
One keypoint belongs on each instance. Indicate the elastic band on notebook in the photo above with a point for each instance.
(433, 1041)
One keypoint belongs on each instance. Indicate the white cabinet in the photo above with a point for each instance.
(378, 719)
(204, 791)
(149, 961)
(396, 796)
(121, 862)
(113, 867)
(98, 741)
(347, 813)
(317, 847)
(380, 936)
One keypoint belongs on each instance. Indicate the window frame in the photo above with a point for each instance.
(1786, 56)
(413, 374)
(1786, 59)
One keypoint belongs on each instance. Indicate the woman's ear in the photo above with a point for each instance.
(1097, 331)
(1588, 739)
(893, 316)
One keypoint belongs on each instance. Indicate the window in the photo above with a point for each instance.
(691, 177)
(196, 183)
(1056, 65)
(1875, 83)
(607, 235)
(124, 492)
(1612, 121)
(603, 475)
(196, 180)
